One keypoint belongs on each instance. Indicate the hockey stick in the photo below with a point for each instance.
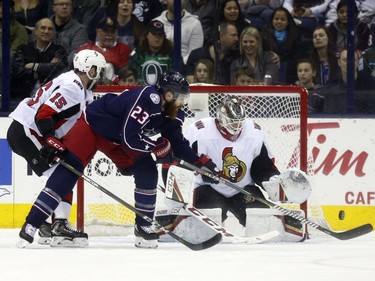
(345, 235)
(232, 238)
(195, 247)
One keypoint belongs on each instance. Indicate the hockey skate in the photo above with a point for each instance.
(26, 235)
(145, 237)
(63, 236)
(44, 233)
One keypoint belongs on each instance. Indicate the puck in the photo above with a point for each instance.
(341, 215)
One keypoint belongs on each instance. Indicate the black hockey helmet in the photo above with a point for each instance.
(175, 82)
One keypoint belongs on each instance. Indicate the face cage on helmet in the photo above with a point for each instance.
(99, 73)
(233, 126)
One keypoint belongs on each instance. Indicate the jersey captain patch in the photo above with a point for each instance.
(199, 124)
(155, 98)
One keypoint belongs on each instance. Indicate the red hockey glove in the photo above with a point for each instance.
(204, 162)
(52, 149)
(163, 151)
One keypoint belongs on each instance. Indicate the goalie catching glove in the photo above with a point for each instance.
(204, 162)
(295, 184)
(53, 148)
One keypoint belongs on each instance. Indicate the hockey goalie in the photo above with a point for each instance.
(238, 147)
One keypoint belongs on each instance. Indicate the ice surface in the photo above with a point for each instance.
(116, 258)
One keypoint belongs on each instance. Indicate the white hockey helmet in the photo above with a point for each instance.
(84, 60)
(231, 115)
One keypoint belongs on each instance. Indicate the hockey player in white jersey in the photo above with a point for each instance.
(238, 147)
(40, 121)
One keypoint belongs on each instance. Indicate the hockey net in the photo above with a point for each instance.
(281, 111)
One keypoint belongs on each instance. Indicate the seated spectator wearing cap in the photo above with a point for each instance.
(154, 55)
(115, 53)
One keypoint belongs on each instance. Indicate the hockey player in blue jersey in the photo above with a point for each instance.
(122, 127)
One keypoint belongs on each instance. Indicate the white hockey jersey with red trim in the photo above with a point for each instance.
(233, 159)
(63, 98)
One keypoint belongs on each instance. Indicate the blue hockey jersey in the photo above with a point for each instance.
(133, 117)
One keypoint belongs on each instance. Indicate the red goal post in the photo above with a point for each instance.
(281, 111)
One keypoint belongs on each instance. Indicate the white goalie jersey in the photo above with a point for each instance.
(234, 159)
(65, 98)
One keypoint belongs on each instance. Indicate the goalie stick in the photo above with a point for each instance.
(195, 247)
(345, 235)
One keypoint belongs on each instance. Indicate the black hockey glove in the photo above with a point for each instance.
(53, 148)
(163, 151)
(204, 162)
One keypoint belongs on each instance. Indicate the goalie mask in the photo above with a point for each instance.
(231, 115)
(86, 59)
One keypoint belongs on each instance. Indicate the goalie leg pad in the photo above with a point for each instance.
(185, 225)
(261, 221)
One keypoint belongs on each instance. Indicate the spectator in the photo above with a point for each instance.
(204, 71)
(85, 11)
(282, 36)
(309, 13)
(244, 76)
(259, 11)
(338, 29)
(69, 32)
(335, 94)
(367, 15)
(37, 62)
(130, 29)
(115, 53)
(146, 10)
(230, 11)
(154, 55)
(306, 73)
(221, 57)
(366, 67)
(323, 56)
(253, 56)
(206, 11)
(127, 76)
(18, 33)
(28, 12)
(366, 9)
(191, 28)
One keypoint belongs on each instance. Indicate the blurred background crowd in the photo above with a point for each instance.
(326, 46)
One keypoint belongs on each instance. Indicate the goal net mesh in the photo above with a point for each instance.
(281, 111)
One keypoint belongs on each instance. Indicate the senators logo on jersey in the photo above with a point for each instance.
(233, 168)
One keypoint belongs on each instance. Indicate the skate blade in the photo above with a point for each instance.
(146, 244)
(44, 241)
(22, 243)
(60, 241)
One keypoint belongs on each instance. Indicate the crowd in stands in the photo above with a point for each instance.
(291, 42)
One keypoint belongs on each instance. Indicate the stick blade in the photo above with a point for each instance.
(353, 233)
(201, 245)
